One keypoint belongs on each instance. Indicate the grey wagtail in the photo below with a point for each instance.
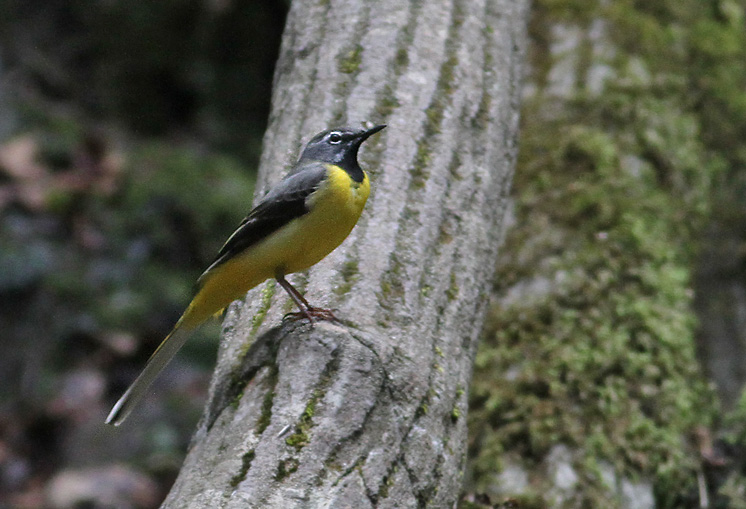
(300, 221)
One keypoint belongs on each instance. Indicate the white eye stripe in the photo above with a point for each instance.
(335, 137)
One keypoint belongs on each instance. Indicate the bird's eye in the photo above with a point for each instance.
(335, 137)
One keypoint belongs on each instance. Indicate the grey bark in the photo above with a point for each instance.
(371, 412)
(721, 308)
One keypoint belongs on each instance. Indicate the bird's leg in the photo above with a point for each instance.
(306, 310)
(297, 297)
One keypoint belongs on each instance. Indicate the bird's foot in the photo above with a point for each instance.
(312, 314)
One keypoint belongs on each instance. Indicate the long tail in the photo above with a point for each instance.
(165, 352)
(219, 286)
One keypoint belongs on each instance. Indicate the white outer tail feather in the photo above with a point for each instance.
(162, 356)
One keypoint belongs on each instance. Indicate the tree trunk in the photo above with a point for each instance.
(372, 412)
(588, 384)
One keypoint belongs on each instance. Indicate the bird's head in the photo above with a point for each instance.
(337, 146)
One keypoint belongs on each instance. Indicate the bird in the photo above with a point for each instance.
(294, 226)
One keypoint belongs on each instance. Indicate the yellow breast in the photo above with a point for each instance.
(339, 192)
(335, 209)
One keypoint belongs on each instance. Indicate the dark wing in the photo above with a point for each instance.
(283, 203)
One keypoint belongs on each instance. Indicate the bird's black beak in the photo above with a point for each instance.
(370, 132)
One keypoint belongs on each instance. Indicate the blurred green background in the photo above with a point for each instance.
(129, 140)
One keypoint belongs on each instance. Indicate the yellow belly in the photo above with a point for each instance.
(335, 209)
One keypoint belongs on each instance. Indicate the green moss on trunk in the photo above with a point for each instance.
(592, 344)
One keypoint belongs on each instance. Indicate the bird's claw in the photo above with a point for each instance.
(312, 314)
